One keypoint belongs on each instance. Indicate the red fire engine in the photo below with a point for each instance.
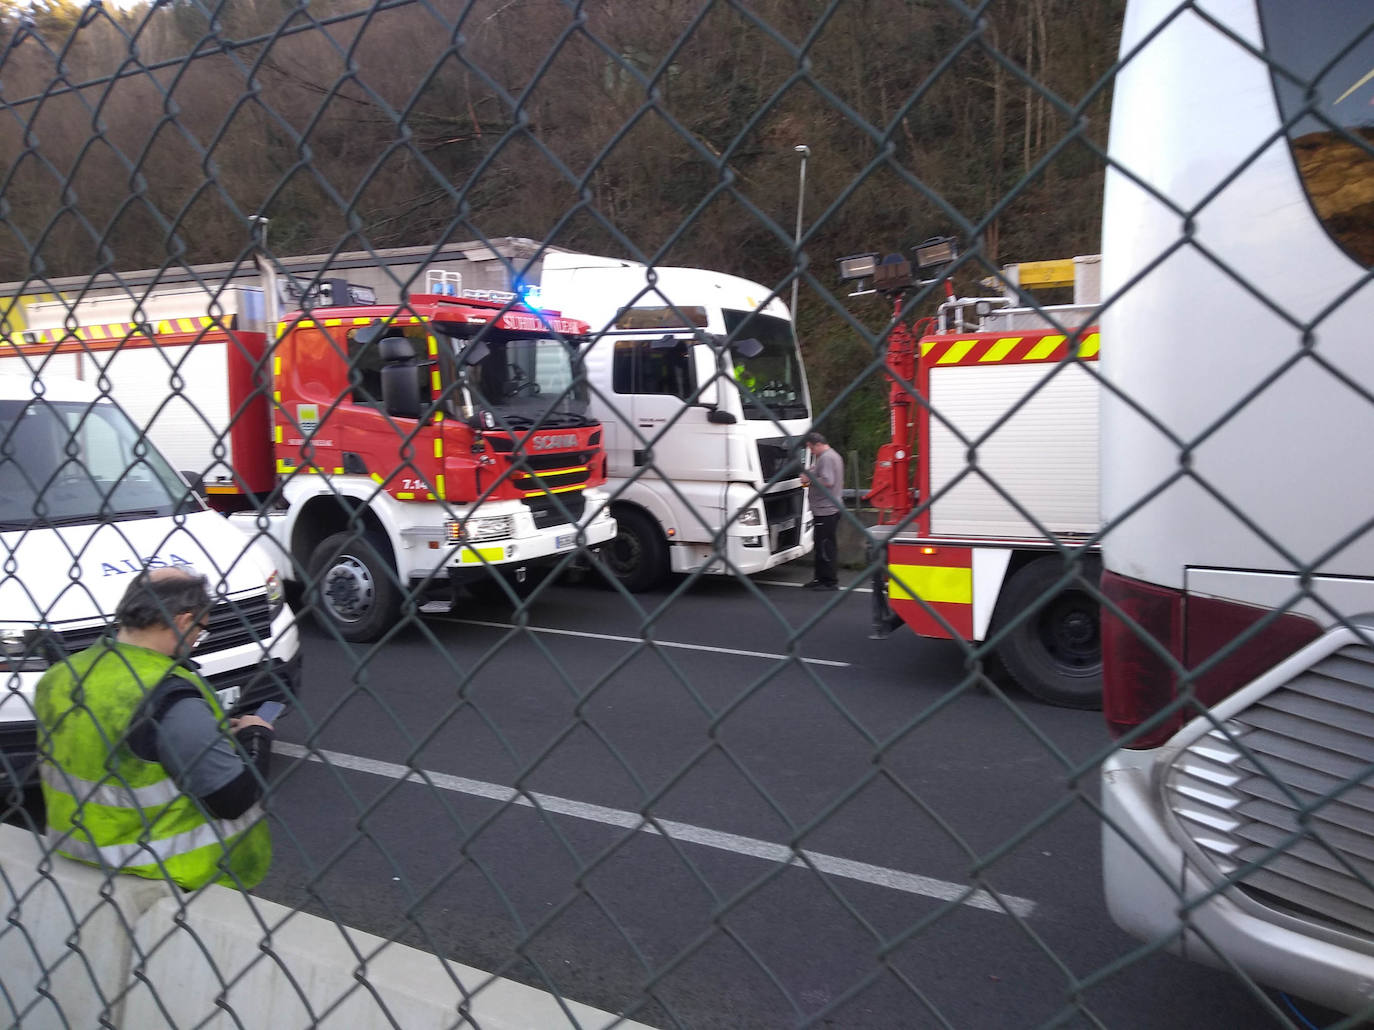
(987, 488)
(379, 447)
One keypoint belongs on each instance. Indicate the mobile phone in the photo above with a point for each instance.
(269, 710)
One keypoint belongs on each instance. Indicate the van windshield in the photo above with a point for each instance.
(71, 463)
(773, 387)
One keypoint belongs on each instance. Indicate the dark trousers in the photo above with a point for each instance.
(827, 526)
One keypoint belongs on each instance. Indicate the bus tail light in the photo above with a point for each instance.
(1138, 681)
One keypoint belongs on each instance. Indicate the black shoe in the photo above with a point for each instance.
(814, 584)
(826, 586)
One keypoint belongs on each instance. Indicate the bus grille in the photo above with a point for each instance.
(1279, 800)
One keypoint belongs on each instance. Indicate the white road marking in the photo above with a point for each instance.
(657, 643)
(880, 876)
(785, 583)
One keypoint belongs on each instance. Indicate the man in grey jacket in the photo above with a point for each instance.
(823, 482)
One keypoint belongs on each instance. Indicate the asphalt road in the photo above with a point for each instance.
(951, 875)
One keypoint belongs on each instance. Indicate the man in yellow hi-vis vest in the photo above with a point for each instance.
(139, 773)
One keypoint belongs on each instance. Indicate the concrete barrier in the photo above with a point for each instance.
(82, 949)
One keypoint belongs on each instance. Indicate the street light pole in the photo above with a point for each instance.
(805, 152)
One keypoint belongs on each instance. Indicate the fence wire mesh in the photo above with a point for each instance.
(469, 350)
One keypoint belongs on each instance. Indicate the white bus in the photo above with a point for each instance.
(1238, 490)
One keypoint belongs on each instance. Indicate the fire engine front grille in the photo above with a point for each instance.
(784, 512)
(544, 462)
(551, 480)
(555, 509)
(233, 623)
(1299, 804)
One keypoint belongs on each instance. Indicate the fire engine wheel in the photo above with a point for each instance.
(354, 586)
(637, 556)
(1055, 652)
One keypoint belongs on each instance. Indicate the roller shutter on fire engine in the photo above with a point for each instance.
(1044, 455)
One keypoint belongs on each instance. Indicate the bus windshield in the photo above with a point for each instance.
(72, 463)
(771, 382)
(1327, 109)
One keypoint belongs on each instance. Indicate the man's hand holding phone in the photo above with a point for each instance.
(267, 713)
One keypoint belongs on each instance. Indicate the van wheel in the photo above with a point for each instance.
(353, 587)
(1055, 651)
(637, 556)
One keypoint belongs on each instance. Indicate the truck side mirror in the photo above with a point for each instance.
(400, 378)
(720, 418)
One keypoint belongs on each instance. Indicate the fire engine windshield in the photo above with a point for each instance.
(771, 380)
(522, 381)
(65, 464)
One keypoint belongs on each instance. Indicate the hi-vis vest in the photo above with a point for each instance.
(109, 808)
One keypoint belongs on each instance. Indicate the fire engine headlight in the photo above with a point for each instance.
(467, 531)
(276, 595)
(751, 517)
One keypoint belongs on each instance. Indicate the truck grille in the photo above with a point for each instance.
(784, 512)
(775, 455)
(1289, 792)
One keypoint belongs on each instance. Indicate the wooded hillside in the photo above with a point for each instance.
(660, 129)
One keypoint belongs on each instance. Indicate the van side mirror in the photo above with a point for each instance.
(400, 378)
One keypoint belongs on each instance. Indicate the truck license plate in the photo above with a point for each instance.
(566, 540)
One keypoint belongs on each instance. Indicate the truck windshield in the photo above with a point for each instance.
(70, 463)
(772, 382)
(522, 381)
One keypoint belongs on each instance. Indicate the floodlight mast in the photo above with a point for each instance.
(892, 489)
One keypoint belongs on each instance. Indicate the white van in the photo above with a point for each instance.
(85, 504)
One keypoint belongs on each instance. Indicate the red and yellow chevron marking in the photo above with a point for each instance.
(931, 588)
(115, 332)
(994, 349)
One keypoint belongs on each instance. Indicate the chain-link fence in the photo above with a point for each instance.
(497, 364)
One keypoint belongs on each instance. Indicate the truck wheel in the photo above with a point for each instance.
(1055, 652)
(637, 556)
(354, 588)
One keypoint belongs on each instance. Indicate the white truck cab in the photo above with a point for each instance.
(697, 378)
(86, 504)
